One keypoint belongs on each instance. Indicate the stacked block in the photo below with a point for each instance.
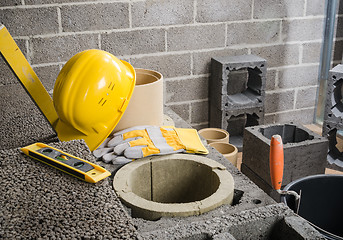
(237, 93)
(333, 117)
(304, 154)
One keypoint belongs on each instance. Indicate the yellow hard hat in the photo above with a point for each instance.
(90, 96)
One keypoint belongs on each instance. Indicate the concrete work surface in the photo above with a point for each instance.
(41, 202)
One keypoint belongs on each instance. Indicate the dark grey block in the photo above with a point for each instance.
(304, 151)
(238, 82)
(237, 94)
(334, 106)
(333, 116)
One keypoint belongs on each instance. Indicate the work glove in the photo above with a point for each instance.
(141, 141)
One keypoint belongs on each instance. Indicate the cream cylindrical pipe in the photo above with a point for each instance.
(214, 135)
(146, 104)
(228, 150)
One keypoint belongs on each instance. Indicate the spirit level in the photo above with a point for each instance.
(67, 163)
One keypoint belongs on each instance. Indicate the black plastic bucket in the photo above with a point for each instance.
(321, 203)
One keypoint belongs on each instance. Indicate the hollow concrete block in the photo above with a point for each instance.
(333, 116)
(237, 94)
(238, 82)
(333, 113)
(304, 153)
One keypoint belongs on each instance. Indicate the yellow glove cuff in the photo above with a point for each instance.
(191, 140)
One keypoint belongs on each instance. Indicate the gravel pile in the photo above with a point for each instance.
(20, 130)
(41, 202)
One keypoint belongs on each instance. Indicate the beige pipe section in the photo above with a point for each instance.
(146, 104)
(214, 135)
(228, 150)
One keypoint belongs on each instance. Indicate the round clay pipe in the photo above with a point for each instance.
(214, 135)
(228, 150)
(146, 104)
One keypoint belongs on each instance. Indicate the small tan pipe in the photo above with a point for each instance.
(228, 150)
(214, 135)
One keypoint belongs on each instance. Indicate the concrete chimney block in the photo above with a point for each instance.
(304, 153)
(238, 81)
(333, 114)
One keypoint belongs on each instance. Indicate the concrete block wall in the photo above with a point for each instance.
(178, 38)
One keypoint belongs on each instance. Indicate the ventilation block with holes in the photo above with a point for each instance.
(333, 117)
(237, 93)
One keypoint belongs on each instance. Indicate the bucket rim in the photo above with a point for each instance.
(289, 185)
(326, 234)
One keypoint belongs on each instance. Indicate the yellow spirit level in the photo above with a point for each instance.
(67, 163)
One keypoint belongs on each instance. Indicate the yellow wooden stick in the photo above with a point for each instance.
(25, 74)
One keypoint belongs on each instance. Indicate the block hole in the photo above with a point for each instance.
(244, 86)
(236, 125)
(335, 154)
(289, 133)
(237, 196)
(194, 182)
(337, 98)
(256, 201)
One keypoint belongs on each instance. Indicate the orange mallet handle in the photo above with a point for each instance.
(276, 161)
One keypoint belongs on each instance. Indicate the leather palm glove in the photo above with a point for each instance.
(142, 141)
